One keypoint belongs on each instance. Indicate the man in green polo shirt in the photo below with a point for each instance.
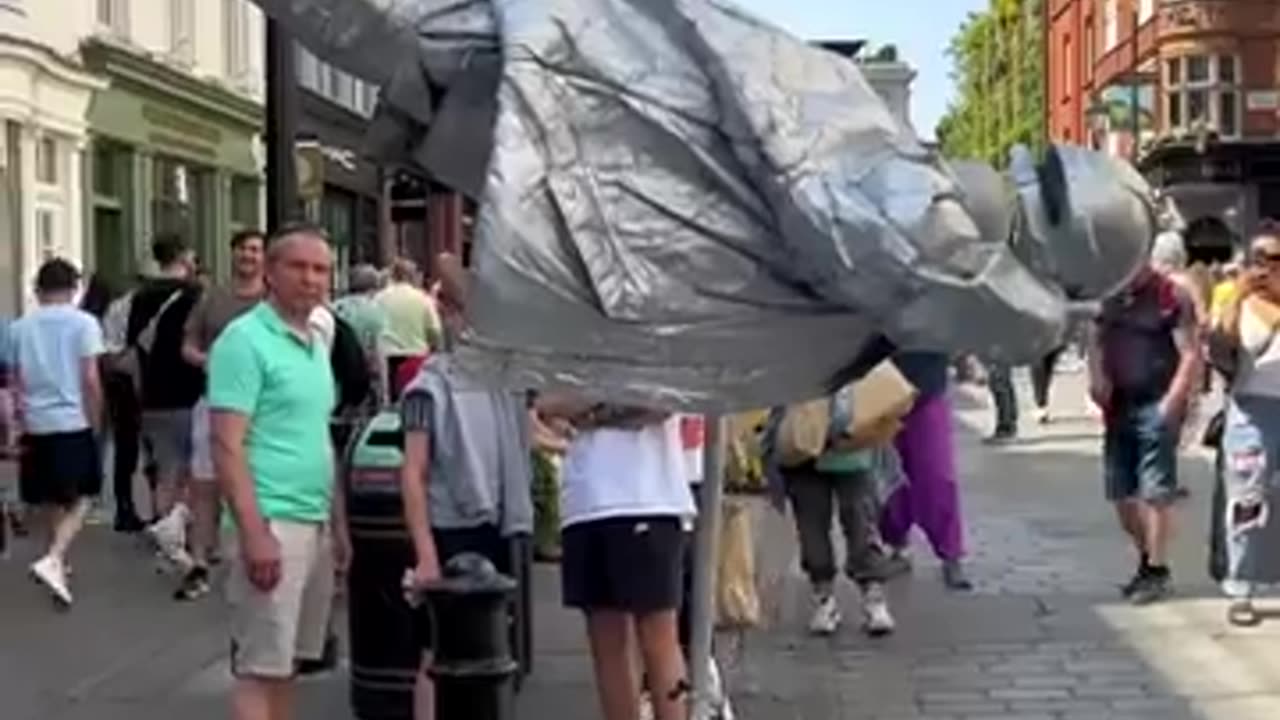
(271, 392)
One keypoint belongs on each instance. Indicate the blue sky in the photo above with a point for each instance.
(920, 29)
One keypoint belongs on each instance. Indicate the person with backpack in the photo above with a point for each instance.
(217, 307)
(168, 386)
(1144, 361)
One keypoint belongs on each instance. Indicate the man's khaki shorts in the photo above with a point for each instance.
(271, 631)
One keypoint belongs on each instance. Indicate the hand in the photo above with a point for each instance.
(417, 578)
(261, 553)
(341, 541)
(550, 434)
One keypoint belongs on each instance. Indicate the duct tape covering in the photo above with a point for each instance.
(683, 205)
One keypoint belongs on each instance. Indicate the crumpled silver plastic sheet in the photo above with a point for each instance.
(683, 205)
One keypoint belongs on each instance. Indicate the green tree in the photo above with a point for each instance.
(998, 69)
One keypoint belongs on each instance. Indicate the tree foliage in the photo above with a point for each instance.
(997, 66)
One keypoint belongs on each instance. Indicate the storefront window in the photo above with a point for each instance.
(338, 218)
(182, 204)
(47, 161)
(245, 202)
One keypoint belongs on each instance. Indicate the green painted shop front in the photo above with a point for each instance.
(170, 154)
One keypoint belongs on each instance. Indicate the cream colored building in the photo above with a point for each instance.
(120, 119)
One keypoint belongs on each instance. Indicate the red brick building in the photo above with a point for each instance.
(1187, 89)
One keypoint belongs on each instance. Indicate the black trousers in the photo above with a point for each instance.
(1042, 376)
(126, 432)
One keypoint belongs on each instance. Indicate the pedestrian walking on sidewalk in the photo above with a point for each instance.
(1247, 330)
(217, 308)
(1145, 357)
(56, 349)
(169, 387)
(467, 474)
(930, 497)
(271, 393)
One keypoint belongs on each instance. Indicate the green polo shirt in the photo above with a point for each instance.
(261, 368)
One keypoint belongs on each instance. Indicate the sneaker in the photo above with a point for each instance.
(646, 707)
(1154, 586)
(1128, 589)
(1043, 416)
(877, 621)
(898, 562)
(48, 571)
(169, 534)
(1000, 437)
(195, 585)
(826, 616)
(953, 576)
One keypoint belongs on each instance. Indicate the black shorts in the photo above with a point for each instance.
(486, 540)
(628, 564)
(59, 468)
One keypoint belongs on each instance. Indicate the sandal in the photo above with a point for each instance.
(1242, 613)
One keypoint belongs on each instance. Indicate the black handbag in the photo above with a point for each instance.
(1214, 430)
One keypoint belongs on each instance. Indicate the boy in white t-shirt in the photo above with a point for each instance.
(624, 502)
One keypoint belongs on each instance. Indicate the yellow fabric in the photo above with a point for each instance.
(737, 600)
(1223, 293)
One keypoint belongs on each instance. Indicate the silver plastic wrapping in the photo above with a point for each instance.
(683, 205)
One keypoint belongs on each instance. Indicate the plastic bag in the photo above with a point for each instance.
(737, 600)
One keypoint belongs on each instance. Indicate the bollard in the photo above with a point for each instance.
(473, 667)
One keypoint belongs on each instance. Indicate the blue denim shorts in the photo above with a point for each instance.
(1140, 455)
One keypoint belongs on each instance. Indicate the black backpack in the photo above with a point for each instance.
(350, 367)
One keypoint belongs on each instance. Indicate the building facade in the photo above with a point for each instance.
(1189, 90)
(341, 188)
(122, 119)
(45, 94)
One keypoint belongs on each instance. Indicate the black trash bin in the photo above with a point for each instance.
(385, 656)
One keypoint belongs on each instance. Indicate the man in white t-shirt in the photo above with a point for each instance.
(624, 503)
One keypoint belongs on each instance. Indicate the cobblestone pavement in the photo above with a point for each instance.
(1045, 635)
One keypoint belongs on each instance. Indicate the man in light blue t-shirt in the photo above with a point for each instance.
(55, 349)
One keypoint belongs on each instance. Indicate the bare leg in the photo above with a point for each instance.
(204, 521)
(424, 693)
(261, 699)
(663, 664)
(616, 679)
(66, 524)
(1130, 514)
(1158, 528)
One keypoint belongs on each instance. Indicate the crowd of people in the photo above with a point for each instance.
(233, 398)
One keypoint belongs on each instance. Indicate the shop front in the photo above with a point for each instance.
(171, 154)
(340, 188)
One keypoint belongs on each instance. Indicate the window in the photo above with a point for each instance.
(47, 161)
(1090, 50)
(1202, 91)
(311, 71)
(235, 29)
(1146, 10)
(244, 201)
(1069, 64)
(113, 16)
(47, 233)
(1110, 24)
(182, 32)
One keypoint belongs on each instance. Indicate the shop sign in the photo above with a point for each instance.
(1262, 100)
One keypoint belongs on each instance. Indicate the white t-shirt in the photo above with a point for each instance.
(621, 473)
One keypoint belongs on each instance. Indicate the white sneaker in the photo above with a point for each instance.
(48, 571)
(1043, 416)
(169, 534)
(719, 698)
(646, 707)
(826, 615)
(877, 621)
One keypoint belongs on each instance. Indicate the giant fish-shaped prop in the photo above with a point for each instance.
(683, 205)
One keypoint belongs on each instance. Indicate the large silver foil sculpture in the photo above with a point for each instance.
(684, 205)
